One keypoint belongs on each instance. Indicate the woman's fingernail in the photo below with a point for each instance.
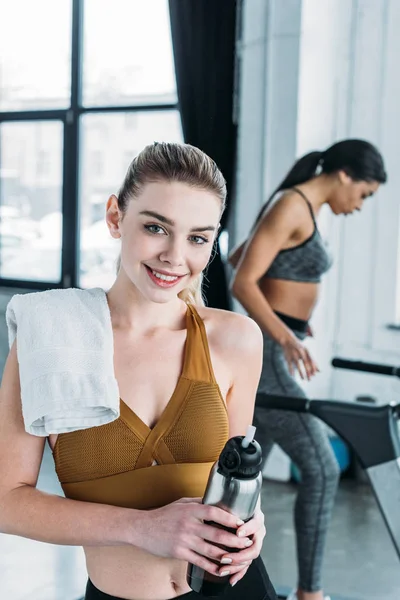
(224, 573)
(248, 543)
(226, 561)
(239, 522)
(234, 583)
(242, 533)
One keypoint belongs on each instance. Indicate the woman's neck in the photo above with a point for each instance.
(130, 310)
(317, 190)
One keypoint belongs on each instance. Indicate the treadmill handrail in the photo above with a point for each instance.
(361, 424)
(366, 367)
(298, 404)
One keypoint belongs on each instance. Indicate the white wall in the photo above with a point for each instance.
(331, 72)
(269, 52)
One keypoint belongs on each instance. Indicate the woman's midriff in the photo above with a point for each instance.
(131, 573)
(293, 298)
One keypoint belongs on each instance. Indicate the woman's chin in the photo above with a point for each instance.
(162, 295)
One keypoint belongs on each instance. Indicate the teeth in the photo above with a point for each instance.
(164, 277)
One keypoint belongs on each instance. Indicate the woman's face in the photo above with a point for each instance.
(349, 195)
(167, 235)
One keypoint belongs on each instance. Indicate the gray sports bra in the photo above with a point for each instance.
(305, 262)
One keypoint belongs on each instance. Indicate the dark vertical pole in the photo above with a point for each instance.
(70, 210)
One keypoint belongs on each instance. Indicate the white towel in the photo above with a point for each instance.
(66, 359)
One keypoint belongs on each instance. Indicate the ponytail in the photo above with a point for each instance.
(193, 293)
(118, 264)
(302, 170)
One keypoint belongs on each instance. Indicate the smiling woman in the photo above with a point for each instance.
(186, 378)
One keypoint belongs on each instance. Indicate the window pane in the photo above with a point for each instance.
(127, 53)
(109, 143)
(30, 200)
(35, 54)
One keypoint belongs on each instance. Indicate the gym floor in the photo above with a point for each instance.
(360, 563)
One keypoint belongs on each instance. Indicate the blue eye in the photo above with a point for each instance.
(198, 240)
(155, 229)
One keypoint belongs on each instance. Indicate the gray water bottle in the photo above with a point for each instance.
(234, 485)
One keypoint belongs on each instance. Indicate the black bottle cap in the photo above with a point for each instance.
(238, 461)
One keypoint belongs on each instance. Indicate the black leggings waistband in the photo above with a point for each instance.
(293, 323)
(92, 593)
(255, 585)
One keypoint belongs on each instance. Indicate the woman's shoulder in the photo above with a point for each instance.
(231, 332)
(289, 205)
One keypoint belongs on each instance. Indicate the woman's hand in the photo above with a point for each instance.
(298, 358)
(237, 563)
(178, 530)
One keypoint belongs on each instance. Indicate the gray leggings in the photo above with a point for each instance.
(306, 442)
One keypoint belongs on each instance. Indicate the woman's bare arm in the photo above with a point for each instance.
(243, 351)
(272, 234)
(244, 344)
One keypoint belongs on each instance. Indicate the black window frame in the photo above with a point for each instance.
(71, 120)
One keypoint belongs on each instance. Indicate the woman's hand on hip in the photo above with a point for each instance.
(299, 358)
(237, 563)
(183, 530)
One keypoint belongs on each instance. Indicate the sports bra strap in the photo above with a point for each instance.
(198, 365)
(295, 189)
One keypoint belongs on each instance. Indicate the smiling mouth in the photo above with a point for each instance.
(163, 279)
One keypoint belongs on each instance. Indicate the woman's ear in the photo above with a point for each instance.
(344, 178)
(113, 216)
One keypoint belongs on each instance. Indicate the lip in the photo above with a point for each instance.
(168, 273)
(161, 283)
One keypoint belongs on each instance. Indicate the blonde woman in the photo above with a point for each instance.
(187, 378)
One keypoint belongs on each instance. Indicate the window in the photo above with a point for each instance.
(127, 53)
(35, 58)
(97, 163)
(43, 164)
(74, 111)
(31, 200)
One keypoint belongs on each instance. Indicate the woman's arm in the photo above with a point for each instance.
(244, 349)
(272, 235)
(243, 353)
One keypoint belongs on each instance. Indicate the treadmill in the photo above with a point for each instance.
(372, 431)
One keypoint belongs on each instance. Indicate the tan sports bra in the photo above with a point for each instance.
(115, 463)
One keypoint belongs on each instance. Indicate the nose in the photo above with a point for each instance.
(173, 253)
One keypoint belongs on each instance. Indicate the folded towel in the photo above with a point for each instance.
(66, 359)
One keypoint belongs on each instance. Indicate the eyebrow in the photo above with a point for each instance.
(150, 213)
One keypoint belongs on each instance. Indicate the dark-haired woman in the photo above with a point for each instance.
(278, 272)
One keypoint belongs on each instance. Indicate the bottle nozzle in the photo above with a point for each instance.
(249, 436)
